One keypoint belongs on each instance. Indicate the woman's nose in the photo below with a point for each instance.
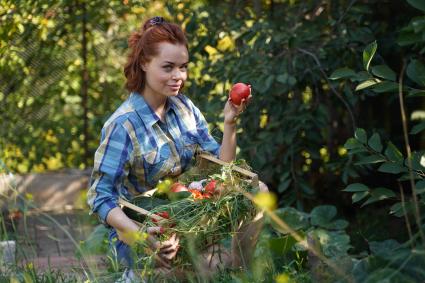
(178, 75)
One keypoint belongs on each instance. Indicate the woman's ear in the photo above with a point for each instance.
(143, 66)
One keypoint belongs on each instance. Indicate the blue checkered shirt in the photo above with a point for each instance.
(137, 149)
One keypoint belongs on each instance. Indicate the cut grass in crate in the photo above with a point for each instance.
(200, 222)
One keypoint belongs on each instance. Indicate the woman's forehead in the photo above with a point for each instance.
(174, 53)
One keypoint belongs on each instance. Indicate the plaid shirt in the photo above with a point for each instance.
(137, 149)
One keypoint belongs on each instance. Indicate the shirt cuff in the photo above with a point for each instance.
(105, 208)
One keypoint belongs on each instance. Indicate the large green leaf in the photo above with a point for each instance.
(375, 142)
(368, 54)
(383, 71)
(418, 4)
(342, 73)
(333, 243)
(292, 217)
(322, 215)
(356, 187)
(282, 245)
(382, 276)
(384, 248)
(416, 72)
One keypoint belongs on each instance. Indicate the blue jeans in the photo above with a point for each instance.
(123, 251)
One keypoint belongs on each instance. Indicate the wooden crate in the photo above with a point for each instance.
(204, 160)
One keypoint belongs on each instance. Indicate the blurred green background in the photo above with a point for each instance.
(61, 73)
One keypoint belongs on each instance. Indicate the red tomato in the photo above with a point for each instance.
(238, 92)
(177, 187)
(163, 214)
(210, 187)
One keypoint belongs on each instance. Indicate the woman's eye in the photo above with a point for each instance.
(168, 68)
(184, 67)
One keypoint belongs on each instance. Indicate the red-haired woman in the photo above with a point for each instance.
(153, 134)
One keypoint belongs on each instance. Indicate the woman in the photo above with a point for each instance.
(153, 134)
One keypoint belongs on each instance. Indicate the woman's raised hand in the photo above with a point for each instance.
(232, 111)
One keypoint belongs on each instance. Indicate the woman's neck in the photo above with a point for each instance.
(156, 101)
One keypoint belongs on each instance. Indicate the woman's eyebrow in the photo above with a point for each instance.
(172, 63)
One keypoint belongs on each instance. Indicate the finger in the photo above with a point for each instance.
(155, 230)
(162, 271)
(167, 251)
(160, 262)
(249, 99)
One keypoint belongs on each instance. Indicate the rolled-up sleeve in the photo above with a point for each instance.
(206, 141)
(109, 169)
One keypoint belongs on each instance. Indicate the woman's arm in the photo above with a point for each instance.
(231, 113)
(228, 145)
(117, 219)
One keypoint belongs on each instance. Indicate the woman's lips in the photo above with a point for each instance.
(175, 87)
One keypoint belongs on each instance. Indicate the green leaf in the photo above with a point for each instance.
(420, 187)
(360, 135)
(375, 142)
(338, 224)
(283, 78)
(333, 243)
(385, 87)
(384, 248)
(356, 197)
(352, 143)
(283, 186)
(356, 187)
(418, 4)
(370, 160)
(368, 54)
(342, 73)
(322, 215)
(366, 84)
(381, 275)
(397, 209)
(379, 194)
(416, 93)
(416, 72)
(393, 153)
(391, 167)
(362, 76)
(383, 71)
(418, 128)
(292, 217)
(283, 245)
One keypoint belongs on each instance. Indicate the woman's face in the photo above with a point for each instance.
(166, 72)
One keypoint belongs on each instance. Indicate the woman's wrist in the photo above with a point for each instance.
(231, 123)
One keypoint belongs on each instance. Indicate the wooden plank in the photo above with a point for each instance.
(139, 209)
(249, 174)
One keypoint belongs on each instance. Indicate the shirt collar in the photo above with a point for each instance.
(144, 110)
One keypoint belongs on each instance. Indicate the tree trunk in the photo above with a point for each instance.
(84, 83)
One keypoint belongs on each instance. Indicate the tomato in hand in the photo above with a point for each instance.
(238, 92)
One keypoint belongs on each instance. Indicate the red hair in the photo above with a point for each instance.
(144, 46)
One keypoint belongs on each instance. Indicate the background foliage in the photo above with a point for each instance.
(321, 70)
